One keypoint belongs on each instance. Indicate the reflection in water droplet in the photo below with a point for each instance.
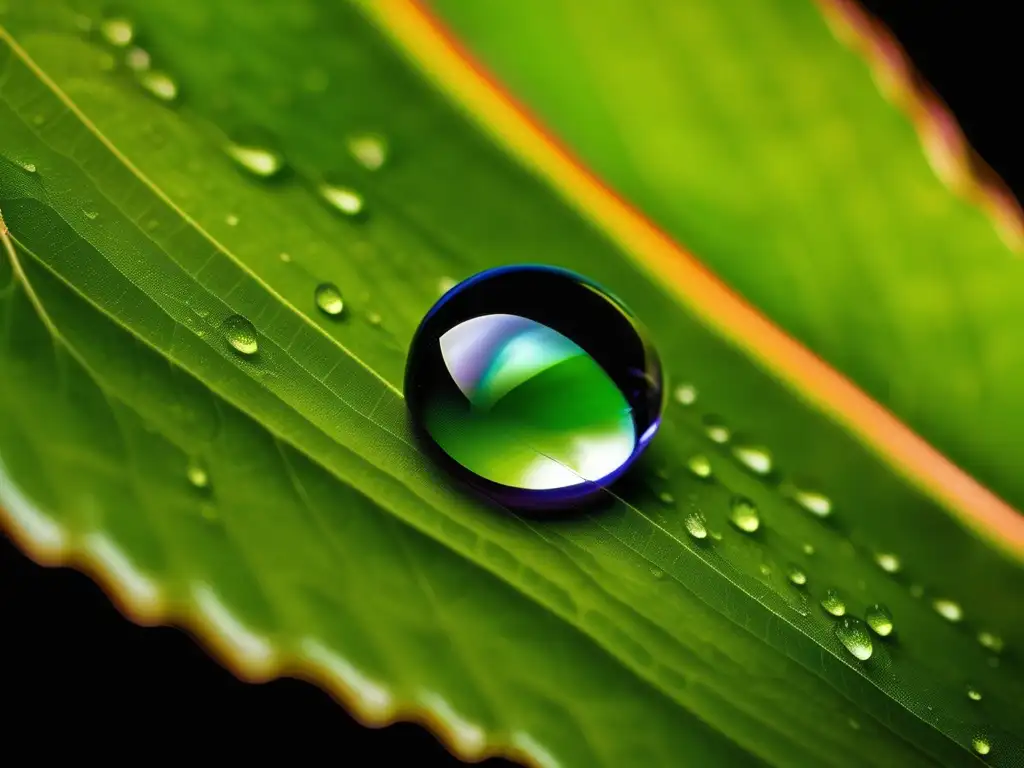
(241, 334)
(369, 150)
(991, 641)
(667, 498)
(231, 220)
(699, 465)
(328, 298)
(695, 526)
(117, 31)
(796, 576)
(716, 430)
(817, 504)
(833, 603)
(160, 84)
(686, 394)
(343, 199)
(197, 474)
(755, 458)
(137, 60)
(948, 609)
(879, 618)
(743, 514)
(973, 693)
(981, 745)
(888, 562)
(854, 636)
(261, 161)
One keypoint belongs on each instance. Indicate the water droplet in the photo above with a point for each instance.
(667, 498)
(197, 474)
(137, 60)
(285, 257)
(328, 298)
(765, 569)
(973, 693)
(755, 458)
(374, 319)
(716, 535)
(686, 394)
(699, 465)
(833, 603)
(695, 526)
(854, 636)
(817, 504)
(521, 434)
(160, 84)
(948, 609)
(241, 334)
(879, 618)
(117, 31)
(91, 215)
(743, 514)
(991, 641)
(981, 745)
(657, 573)
(888, 562)
(27, 167)
(231, 220)
(716, 430)
(445, 284)
(258, 159)
(808, 549)
(343, 199)
(369, 150)
(796, 576)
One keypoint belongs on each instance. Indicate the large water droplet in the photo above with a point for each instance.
(855, 637)
(818, 504)
(743, 514)
(888, 562)
(754, 457)
(197, 474)
(343, 199)
(796, 576)
(716, 430)
(685, 394)
(328, 298)
(973, 693)
(260, 160)
(695, 525)
(948, 609)
(991, 641)
(700, 466)
(159, 84)
(241, 334)
(981, 745)
(370, 150)
(527, 403)
(879, 618)
(833, 603)
(118, 31)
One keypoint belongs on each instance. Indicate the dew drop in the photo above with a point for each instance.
(197, 474)
(973, 693)
(137, 60)
(343, 199)
(117, 31)
(818, 504)
(369, 150)
(695, 526)
(888, 562)
(667, 498)
(948, 609)
(231, 220)
(259, 160)
(657, 573)
(328, 298)
(716, 430)
(285, 257)
(699, 465)
(159, 84)
(833, 603)
(743, 514)
(854, 636)
(981, 745)
(879, 618)
(796, 576)
(241, 335)
(28, 167)
(755, 458)
(374, 319)
(808, 549)
(685, 394)
(765, 569)
(991, 641)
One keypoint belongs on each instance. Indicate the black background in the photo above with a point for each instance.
(79, 681)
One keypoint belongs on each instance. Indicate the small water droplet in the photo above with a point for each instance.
(743, 514)
(754, 457)
(159, 84)
(818, 504)
(285, 257)
(657, 573)
(854, 636)
(879, 618)
(197, 474)
(667, 498)
(716, 535)
(91, 215)
(888, 562)
(137, 60)
(370, 150)
(765, 569)
(231, 220)
(258, 159)
(695, 526)
(117, 31)
(28, 167)
(716, 430)
(808, 549)
(343, 199)
(796, 576)
(241, 334)
(445, 284)
(374, 318)
(973, 693)
(991, 641)
(686, 394)
(833, 603)
(948, 609)
(328, 298)
(981, 745)
(699, 465)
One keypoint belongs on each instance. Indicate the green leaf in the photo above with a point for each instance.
(275, 501)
